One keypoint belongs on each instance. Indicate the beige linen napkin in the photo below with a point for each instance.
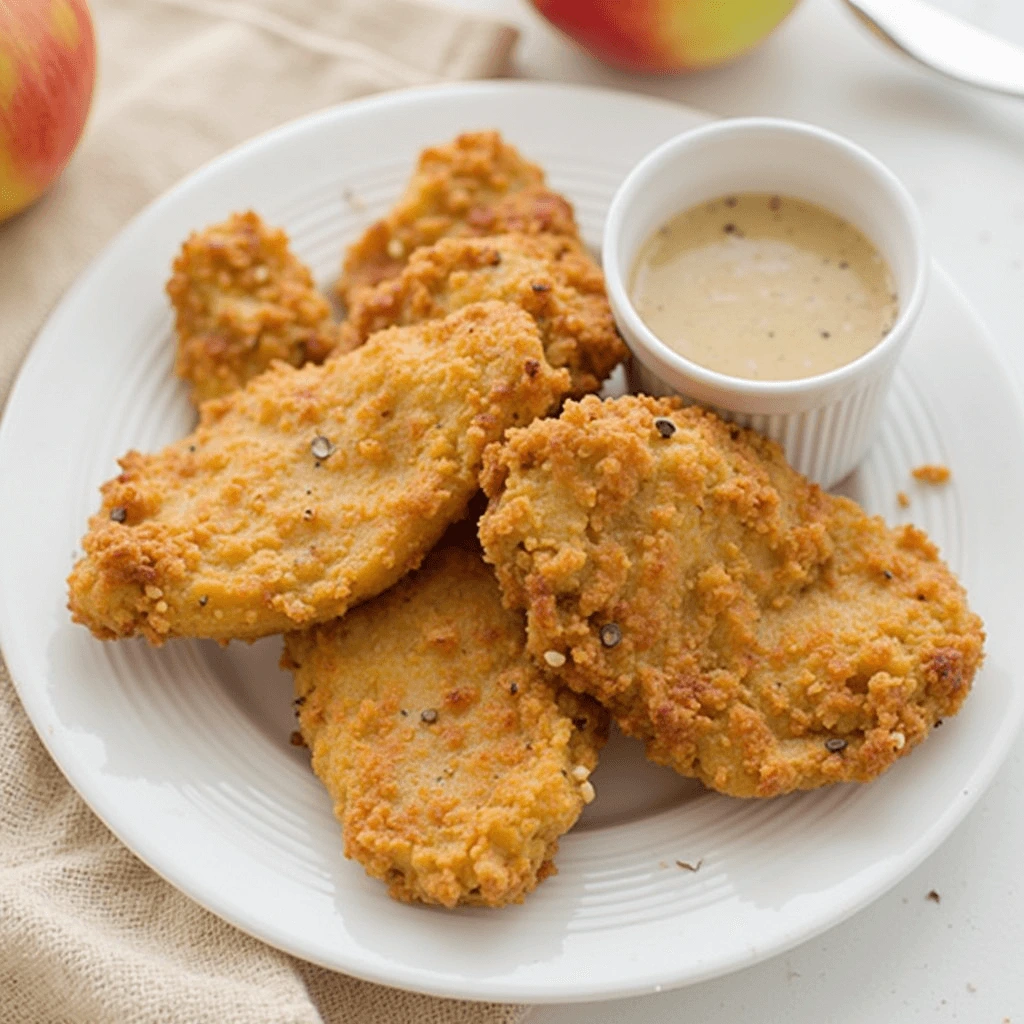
(87, 932)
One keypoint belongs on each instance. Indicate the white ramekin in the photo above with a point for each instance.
(825, 423)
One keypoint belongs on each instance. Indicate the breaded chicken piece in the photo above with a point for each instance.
(549, 276)
(475, 185)
(241, 300)
(755, 632)
(454, 766)
(311, 489)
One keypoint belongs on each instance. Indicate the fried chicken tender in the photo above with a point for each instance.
(311, 489)
(454, 766)
(241, 300)
(756, 633)
(475, 185)
(549, 276)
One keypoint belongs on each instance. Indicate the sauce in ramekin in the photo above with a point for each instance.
(764, 287)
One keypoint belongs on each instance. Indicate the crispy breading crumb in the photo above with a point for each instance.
(469, 810)
(903, 499)
(773, 637)
(931, 473)
(241, 300)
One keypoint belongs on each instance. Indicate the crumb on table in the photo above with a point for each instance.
(931, 474)
(902, 499)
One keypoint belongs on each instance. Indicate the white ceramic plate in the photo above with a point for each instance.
(184, 752)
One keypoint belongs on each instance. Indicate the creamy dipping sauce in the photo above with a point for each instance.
(764, 287)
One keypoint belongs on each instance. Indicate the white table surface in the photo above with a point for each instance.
(906, 958)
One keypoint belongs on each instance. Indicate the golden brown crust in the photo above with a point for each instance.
(241, 300)
(547, 275)
(241, 529)
(475, 185)
(760, 618)
(454, 766)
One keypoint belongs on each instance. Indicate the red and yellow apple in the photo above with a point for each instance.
(665, 35)
(47, 70)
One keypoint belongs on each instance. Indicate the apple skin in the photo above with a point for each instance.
(47, 72)
(665, 36)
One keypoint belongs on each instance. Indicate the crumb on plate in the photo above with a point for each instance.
(931, 473)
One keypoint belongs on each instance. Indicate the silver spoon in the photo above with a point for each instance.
(944, 43)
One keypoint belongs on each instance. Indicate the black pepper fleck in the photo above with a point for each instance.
(119, 514)
(514, 689)
(835, 745)
(203, 600)
(540, 286)
(729, 229)
(404, 713)
(665, 426)
(611, 634)
(934, 896)
(191, 447)
(826, 334)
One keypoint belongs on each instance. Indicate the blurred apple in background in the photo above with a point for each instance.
(665, 35)
(47, 70)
